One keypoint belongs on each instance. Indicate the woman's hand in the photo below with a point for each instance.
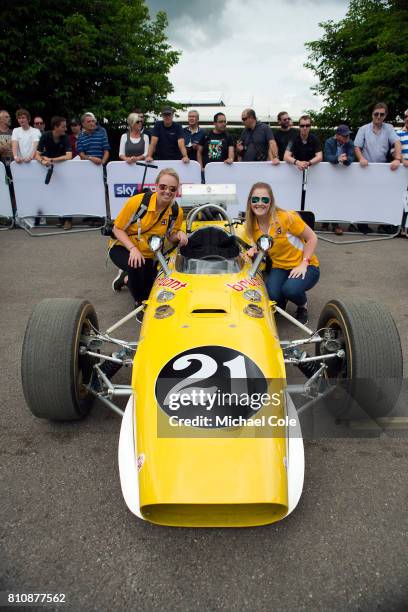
(299, 271)
(181, 237)
(136, 259)
(251, 252)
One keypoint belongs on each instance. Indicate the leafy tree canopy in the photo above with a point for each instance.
(69, 56)
(362, 60)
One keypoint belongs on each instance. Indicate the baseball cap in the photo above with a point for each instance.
(343, 130)
(167, 110)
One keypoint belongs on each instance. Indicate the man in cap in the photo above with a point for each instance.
(339, 149)
(167, 139)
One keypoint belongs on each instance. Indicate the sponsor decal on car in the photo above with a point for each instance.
(245, 283)
(140, 461)
(171, 283)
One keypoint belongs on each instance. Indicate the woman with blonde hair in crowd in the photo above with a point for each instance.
(134, 144)
(295, 268)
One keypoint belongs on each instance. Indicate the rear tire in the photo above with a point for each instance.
(371, 372)
(53, 372)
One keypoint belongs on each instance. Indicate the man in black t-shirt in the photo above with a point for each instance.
(285, 133)
(167, 139)
(54, 147)
(217, 145)
(305, 149)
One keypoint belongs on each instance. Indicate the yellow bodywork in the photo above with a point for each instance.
(193, 476)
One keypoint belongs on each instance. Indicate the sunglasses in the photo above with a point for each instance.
(379, 114)
(222, 121)
(38, 122)
(244, 118)
(170, 188)
(264, 199)
(305, 124)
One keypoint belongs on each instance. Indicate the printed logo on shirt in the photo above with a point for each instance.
(215, 150)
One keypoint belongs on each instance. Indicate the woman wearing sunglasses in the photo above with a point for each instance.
(130, 252)
(133, 145)
(295, 268)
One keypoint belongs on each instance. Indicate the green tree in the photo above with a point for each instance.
(362, 60)
(65, 57)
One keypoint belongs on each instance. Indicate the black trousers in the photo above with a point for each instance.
(140, 280)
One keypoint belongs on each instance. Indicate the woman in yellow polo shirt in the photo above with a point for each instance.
(130, 252)
(295, 268)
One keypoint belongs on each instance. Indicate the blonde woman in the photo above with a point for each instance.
(134, 144)
(295, 268)
(130, 252)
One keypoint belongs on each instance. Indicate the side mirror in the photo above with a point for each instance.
(155, 243)
(264, 243)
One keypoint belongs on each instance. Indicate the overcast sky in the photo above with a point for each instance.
(252, 52)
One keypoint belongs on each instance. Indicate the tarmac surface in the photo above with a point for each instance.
(65, 527)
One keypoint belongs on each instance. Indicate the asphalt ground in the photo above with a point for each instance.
(66, 529)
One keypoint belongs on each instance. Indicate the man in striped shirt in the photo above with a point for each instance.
(403, 136)
(93, 141)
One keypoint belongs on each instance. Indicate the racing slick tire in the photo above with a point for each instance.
(370, 375)
(53, 372)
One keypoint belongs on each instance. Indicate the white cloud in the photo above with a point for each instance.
(252, 50)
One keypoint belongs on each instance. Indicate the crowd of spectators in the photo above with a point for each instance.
(375, 142)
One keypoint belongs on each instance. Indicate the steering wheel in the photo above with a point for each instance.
(214, 257)
(215, 208)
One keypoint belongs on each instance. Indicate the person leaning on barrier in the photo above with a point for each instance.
(295, 268)
(6, 153)
(24, 139)
(54, 147)
(402, 135)
(339, 149)
(167, 139)
(257, 142)
(374, 140)
(93, 144)
(133, 145)
(305, 149)
(192, 134)
(130, 250)
(216, 145)
(284, 134)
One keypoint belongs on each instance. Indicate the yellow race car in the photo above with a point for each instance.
(210, 435)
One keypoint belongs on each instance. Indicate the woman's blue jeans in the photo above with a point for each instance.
(282, 288)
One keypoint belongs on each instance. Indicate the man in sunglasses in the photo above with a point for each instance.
(374, 140)
(305, 149)
(39, 123)
(284, 134)
(216, 145)
(257, 142)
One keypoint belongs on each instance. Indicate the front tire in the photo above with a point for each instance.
(53, 372)
(371, 371)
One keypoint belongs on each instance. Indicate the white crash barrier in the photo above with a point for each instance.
(285, 179)
(355, 194)
(75, 188)
(125, 180)
(6, 209)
